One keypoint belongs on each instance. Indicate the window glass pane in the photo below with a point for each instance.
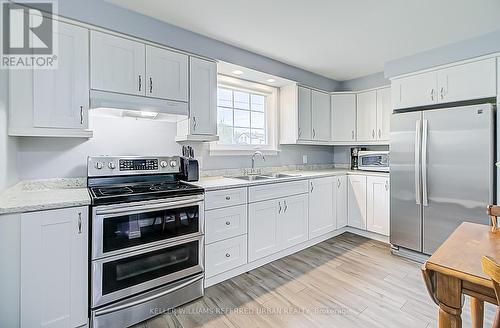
(241, 136)
(224, 116)
(258, 102)
(258, 137)
(224, 97)
(258, 120)
(241, 100)
(242, 118)
(225, 134)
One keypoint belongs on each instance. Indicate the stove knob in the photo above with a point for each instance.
(173, 163)
(98, 165)
(163, 164)
(112, 165)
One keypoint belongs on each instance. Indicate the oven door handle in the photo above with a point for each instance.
(146, 207)
(149, 298)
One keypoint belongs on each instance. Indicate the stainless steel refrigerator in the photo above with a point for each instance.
(442, 171)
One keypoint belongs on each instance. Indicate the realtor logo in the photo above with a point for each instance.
(27, 35)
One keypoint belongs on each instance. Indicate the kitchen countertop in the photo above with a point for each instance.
(220, 182)
(39, 195)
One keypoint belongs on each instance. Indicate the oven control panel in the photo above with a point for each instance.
(114, 166)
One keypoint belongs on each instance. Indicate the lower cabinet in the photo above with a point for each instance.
(54, 268)
(276, 224)
(357, 201)
(322, 206)
(377, 205)
(341, 198)
(225, 255)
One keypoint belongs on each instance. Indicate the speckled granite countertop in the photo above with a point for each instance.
(39, 195)
(220, 182)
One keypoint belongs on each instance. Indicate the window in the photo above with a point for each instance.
(246, 117)
(241, 117)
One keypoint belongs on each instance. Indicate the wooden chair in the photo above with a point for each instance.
(493, 211)
(492, 269)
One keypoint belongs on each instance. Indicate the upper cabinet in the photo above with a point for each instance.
(117, 64)
(374, 115)
(384, 112)
(54, 102)
(305, 115)
(201, 124)
(343, 117)
(473, 80)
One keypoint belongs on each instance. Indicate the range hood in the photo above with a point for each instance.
(117, 104)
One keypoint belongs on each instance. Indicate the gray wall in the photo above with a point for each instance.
(478, 46)
(107, 15)
(364, 82)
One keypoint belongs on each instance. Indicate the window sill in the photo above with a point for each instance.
(242, 152)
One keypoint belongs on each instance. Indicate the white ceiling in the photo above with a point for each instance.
(338, 39)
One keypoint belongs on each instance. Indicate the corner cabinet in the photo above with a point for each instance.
(466, 81)
(54, 102)
(377, 205)
(357, 201)
(341, 200)
(54, 268)
(374, 115)
(322, 206)
(201, 125)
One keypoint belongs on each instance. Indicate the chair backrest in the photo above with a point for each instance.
(492, 269)
(494, 212)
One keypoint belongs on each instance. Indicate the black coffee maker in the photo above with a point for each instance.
(354, 157)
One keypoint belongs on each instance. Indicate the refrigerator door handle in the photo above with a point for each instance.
(418, 138)
(425, 200)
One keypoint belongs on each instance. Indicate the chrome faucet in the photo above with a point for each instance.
(253, 158)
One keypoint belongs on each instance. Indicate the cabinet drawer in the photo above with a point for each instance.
(277, 190)
(225, 255)
(224, 198)
(225, 223)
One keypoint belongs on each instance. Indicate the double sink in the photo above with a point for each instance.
(268, 176)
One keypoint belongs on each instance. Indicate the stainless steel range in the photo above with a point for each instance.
(146, 240)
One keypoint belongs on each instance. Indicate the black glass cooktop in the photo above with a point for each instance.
(109, 193)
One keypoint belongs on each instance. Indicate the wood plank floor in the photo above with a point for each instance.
(346, 281)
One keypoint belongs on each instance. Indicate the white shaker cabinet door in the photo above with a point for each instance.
(304, 115)
(322, 206)
(367, 116)
(117, 64)
(321, 119)
(414, 91)
(203, 97)
(167, 74)
(61, 95)
(54, 266)
(356, 199)
(263, 238)
(343, 108)
(384, 112)
(377, 206)
(341, 198)
(293, 221)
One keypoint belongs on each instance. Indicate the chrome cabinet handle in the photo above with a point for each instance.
(314, 133)
(441, 93)
(194, 123)
(379, 133)
(79, 223)
(279, 204)
(150, 85)
(140, 83)
(352, 134)
(386, 185)
(432, 94)
(228, 255)
(286, 206)
(300, 132)
(338, 183)
(228, 197)
(312, 186)
(228, 223)
(81, 115)
(373, 134)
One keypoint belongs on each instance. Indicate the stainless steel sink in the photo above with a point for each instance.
(252, 177)
(277, 175)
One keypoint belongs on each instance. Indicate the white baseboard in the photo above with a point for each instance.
(368, 234)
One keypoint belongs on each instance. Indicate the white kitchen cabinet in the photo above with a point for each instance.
(466, 81)
(226, 197)
(343, 108)
(341, 198)
(366, 105)
(356, 200)
(293, 221)
(277, 190)
(322, 206)
(225, 255)
(384, 112)
(225, 223)
(54, 268)
(54, 102)
(117, 64)
(263, 234)
(377, 205)
(304, 113)
(321, 116)
(474, 80)
(166, 74)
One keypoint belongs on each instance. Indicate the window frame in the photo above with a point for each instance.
(271, 126)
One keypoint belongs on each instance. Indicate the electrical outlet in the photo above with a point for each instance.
(304, 159)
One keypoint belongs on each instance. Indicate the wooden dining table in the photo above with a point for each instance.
(455, 270)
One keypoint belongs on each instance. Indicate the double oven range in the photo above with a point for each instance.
(146, 238)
